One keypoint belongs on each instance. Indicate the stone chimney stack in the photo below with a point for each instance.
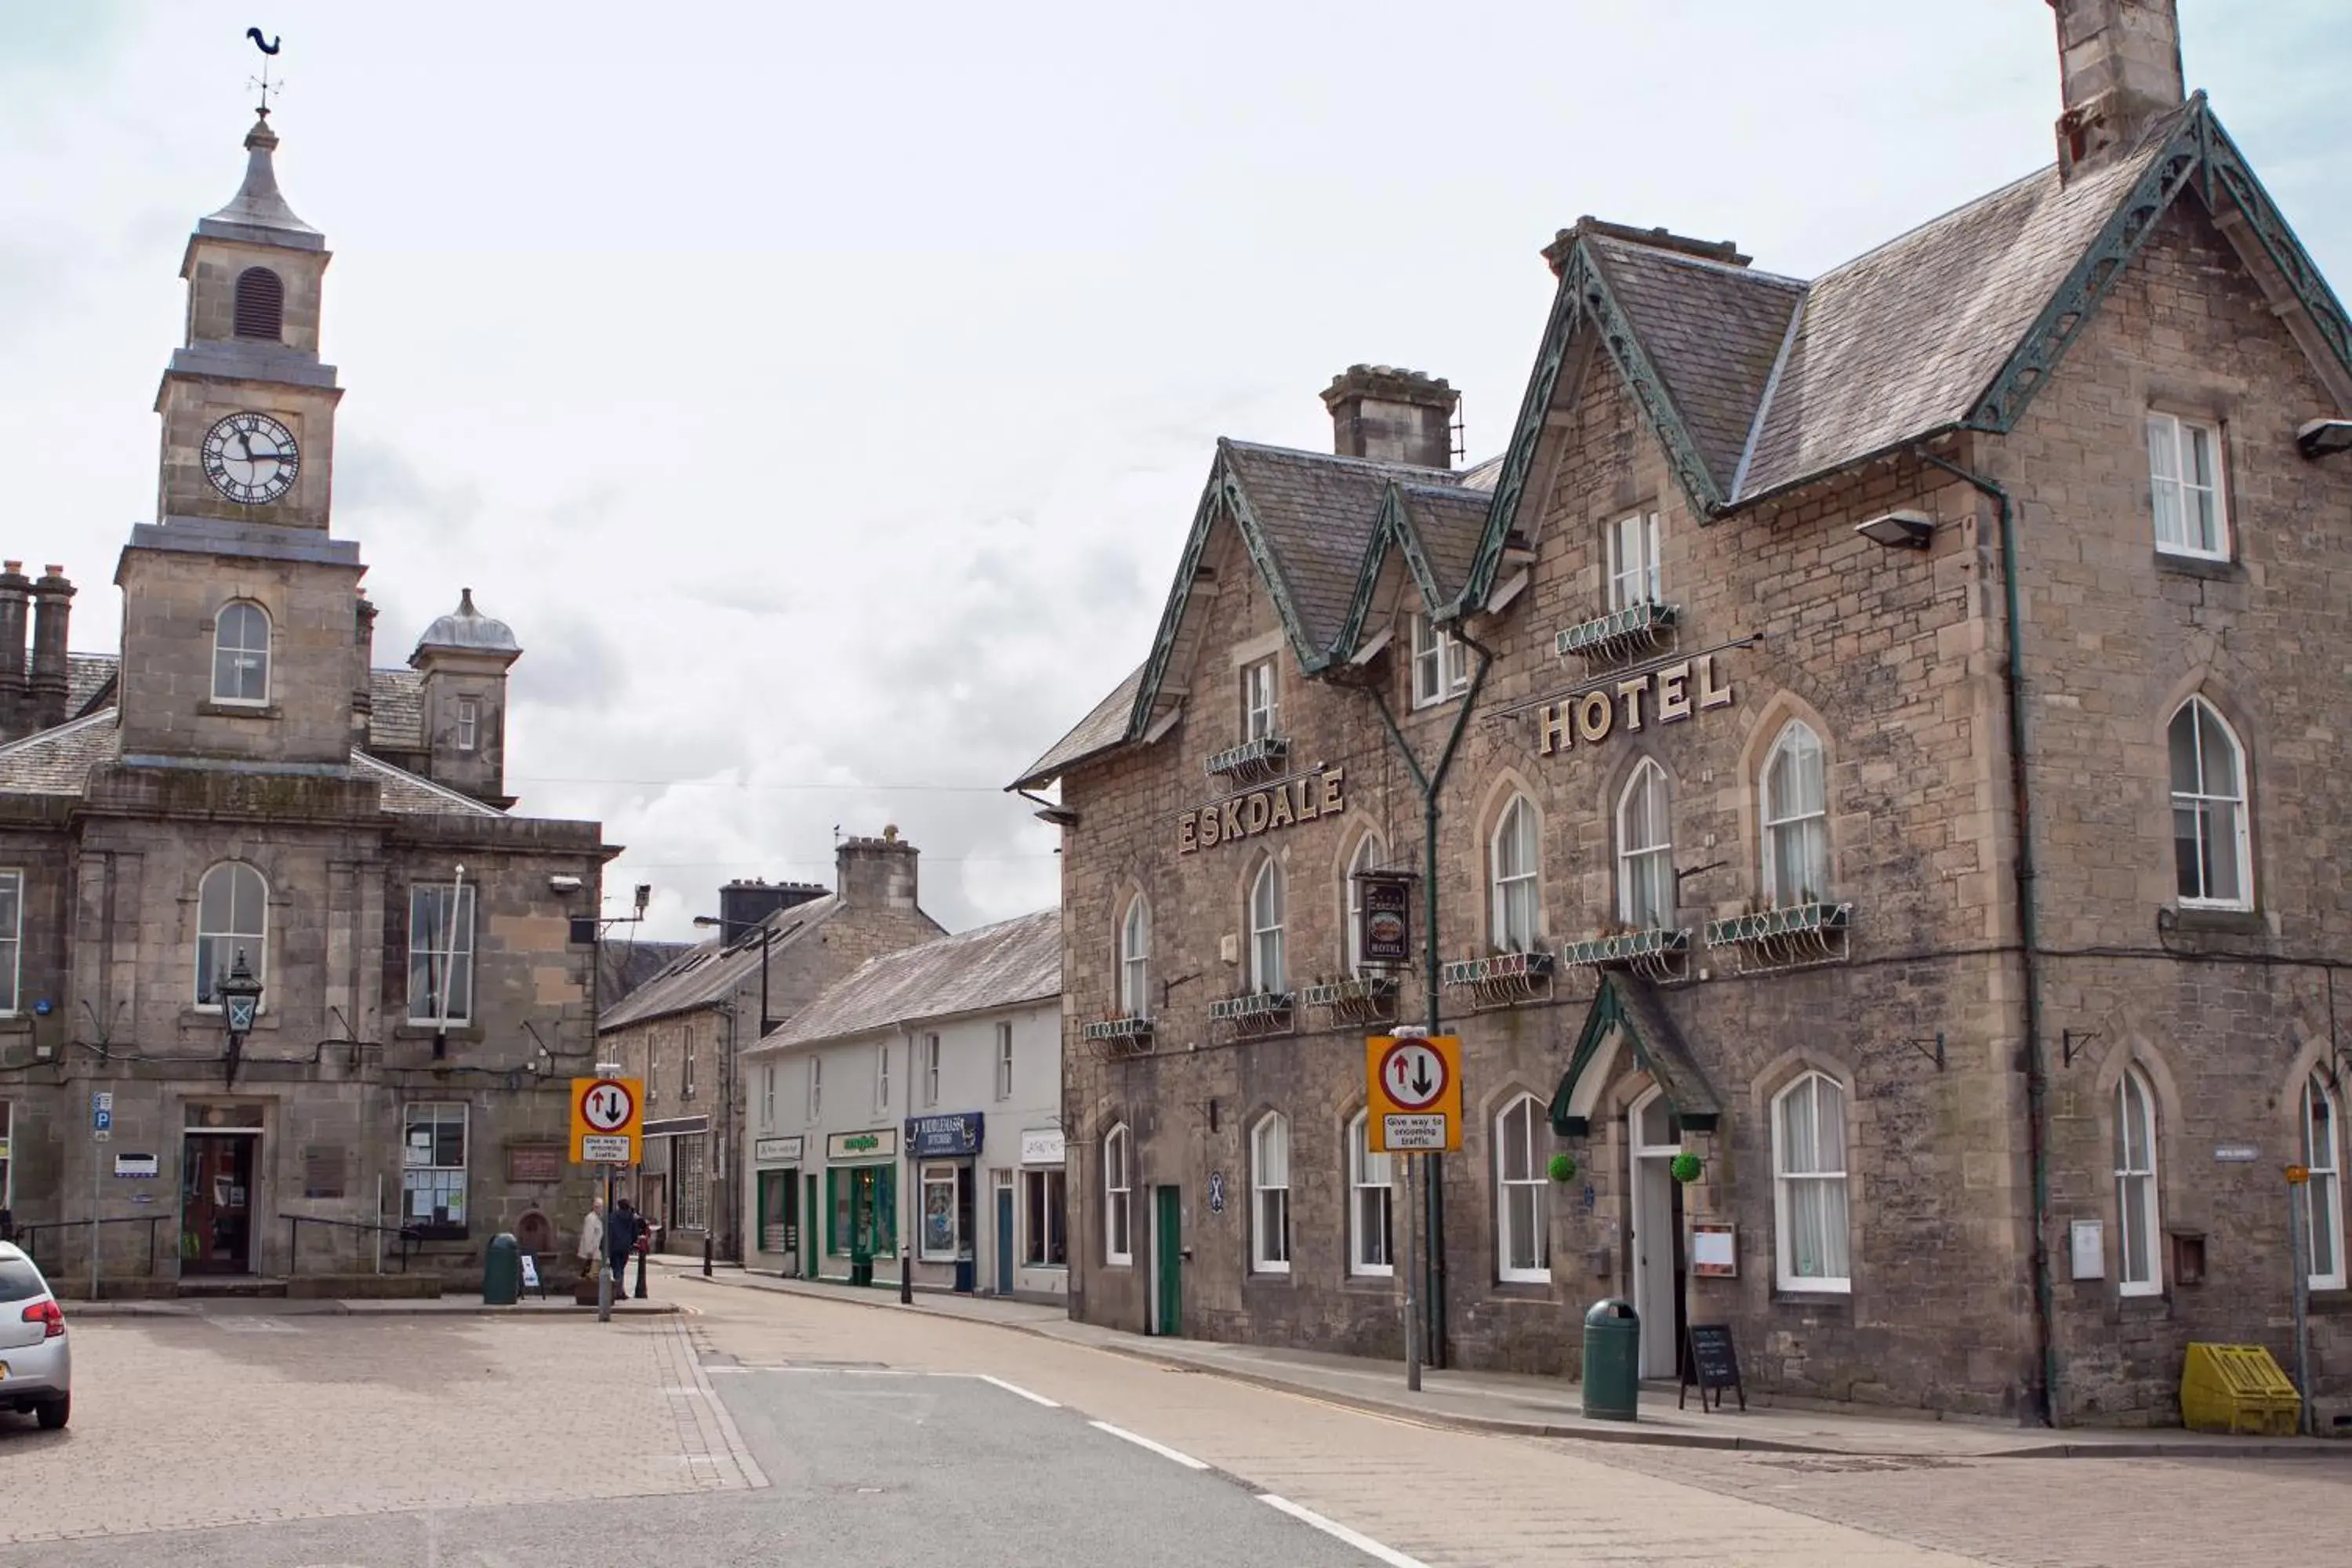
(744, 904)
(876, 873)
(15, 590)
(1391, 415)
(363, 678)
(2119, 67)
(52, 604)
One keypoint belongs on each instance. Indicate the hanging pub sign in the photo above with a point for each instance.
(1625, 706)
(1385, 935)
(1253, 812)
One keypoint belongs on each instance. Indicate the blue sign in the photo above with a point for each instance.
(102, 1111)
(935, 1137)
(240, 1013)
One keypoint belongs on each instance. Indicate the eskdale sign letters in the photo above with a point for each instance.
(1674, 692)
(1258, 811)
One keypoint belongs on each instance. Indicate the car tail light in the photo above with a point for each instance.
(46, 1312)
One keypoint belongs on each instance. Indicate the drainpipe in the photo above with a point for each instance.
(1430, 783)
(2037, 1077)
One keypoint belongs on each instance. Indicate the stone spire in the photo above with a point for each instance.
(258, 213)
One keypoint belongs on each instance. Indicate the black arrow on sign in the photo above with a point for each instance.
(1421, 1085)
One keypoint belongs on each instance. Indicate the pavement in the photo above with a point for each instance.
(1529, 1406)
(360, 1307)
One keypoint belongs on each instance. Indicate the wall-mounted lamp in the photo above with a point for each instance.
(2325, 438)
(1899, 530)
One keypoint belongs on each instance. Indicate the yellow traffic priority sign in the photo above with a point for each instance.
(607, 1120)
(1412, 1088)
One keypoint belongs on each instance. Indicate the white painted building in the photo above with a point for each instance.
(918, 1101)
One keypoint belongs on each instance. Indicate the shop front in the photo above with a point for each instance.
(1040, 1264)
(942, 1148)
(776, 1223)
(861, 1205)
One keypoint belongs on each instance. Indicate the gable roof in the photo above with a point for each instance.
(396, 714)
(709, 972)
(999, 965)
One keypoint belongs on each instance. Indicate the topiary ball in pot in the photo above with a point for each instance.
(1562, 1167)
(1686, 1168)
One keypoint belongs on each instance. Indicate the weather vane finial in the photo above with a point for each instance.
(268, 48)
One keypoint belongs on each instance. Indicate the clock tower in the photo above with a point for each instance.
(242, 638)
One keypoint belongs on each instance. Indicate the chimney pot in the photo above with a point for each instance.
(1392, 416)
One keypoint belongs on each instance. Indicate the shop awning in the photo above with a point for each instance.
(1627, 1009)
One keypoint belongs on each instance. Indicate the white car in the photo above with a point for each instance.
(36, 1365)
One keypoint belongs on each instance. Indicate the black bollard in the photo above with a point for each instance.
(705, 1255)
(640, 1292)
(906, 1275)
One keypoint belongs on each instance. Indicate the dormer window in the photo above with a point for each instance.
(1441, 665)
(260, 305)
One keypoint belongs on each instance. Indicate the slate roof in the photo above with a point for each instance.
(1448, 521)
(710, 971)
(1099, 730)
(1315, 514)
(623, 965)
(397, 722)
(89, 677)
(57, 761)
(1000, 965)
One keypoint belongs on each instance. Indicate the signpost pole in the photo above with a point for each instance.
(95, 1181)
(2297, 1205)
(603, 1260)
(1412, 1302)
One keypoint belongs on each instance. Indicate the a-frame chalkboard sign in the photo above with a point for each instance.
(1713, 1364)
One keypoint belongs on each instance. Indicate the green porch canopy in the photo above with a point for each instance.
(1629, 1005)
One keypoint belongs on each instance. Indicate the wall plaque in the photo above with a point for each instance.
(1258, 811)
(322, 1171)
(535, 1162)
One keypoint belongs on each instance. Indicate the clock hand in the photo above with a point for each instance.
(245, 441)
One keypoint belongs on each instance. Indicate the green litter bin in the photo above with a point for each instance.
(502, 1271)
(1612, 1362)
(861, 1268)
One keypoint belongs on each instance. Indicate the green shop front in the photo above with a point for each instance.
(861, 1205)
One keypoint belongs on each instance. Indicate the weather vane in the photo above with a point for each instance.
(268, 48)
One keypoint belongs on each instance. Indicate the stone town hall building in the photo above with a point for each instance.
(1900, 765)
(241, 783)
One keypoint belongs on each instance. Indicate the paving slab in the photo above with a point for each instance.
(364, 1307)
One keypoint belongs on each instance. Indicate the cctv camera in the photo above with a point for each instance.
(562, 883)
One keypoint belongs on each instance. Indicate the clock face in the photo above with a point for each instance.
(251, 458)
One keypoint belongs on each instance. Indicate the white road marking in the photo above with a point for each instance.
(1338, 1532)
(1165, 1452)
(1016, 1388)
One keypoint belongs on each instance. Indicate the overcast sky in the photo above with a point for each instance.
(823, 393)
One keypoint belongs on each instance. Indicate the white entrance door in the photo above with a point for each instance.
(1650, 1139)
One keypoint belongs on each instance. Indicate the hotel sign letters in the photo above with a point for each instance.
(1659, 697)
(1262, 810)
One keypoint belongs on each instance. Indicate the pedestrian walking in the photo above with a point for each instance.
(592, 1238)
(621, 1233)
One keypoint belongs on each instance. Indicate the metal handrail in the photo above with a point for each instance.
(295, 1222)
(28, 1236)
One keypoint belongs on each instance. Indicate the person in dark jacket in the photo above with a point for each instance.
(620, 1233)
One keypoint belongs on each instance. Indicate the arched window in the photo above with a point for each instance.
(2323, 1197)
(260, 304)
(1523, 1223)
(232, 919)
(1135, 959)
(1119, 1183)
(1270, 1194)
(1808, 1185)
(1646, 851)
(241, 654)
(1795, 798)
(1371, 1191)
(1369, 854)
(1265, 928)
(2138, 1214)
(2209, 855)
(1512, 860)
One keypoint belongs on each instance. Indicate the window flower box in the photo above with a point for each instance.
(1784, 939)
(1118, 1029)
(1657, 953)
(1262, 758)
(1365, 999)
(1613, 638)
(1502, 979)
(1255, 1014)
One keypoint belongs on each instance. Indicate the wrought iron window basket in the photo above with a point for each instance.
(1364, 999)
(1114, 1037)
(1251, 761)
(1637, 629)
(1793, 938)
(1502, 979)
(1656, 953)
(1255, 1014)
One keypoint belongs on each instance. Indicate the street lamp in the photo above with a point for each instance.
(240, 997)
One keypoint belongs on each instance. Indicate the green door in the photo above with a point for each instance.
(1168, 1246)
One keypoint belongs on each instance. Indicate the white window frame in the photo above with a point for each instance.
(456, 957)
(768, 1098)
(686, 1063)
(241, 655)
(882, 1077)
(1645, 862)
(2138, 1202)
(469, 722)
(1787, 1175)
(1003, 1059)
(1371, 1197)
(1270, 1194)
(1520, 1180)
(1633, 576)
(930, 1070)
(11, 944)
(1516, 884)
(1045, 1193)
(1261, 700)
(225, 944)
(2174, 493)
(1118, 1189)
(436, 1174)
(1135, 959)
(815, 1094)
(1371, 853)
(2203, 803)
(1441, 663)
(1786, 825)
(1267, 903)
(2323, 1195)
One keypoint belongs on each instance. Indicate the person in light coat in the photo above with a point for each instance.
(591, 1239)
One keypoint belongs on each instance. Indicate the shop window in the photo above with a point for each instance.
(1044, 1231)
(2138, 1213)
(1270, 1195)
(441, 954)
(1795, 798)
(2184, 472)
(1809, 1184)
(1523, 1238)
(232, 918)
(432, 1166)
(1119, 1181)
(690, 1182)
(861, 1210)
(1512, 866)
(1370, 1207)
(2212, 860)
(946, 1194)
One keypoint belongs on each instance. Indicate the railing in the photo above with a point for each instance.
(1785, 937)
(1254, 1014)
(1636, 628)
(1261, 758)
(408, 1234)
(1362, 999)
(1656, 953)
(28, 1237)
(1503, 979)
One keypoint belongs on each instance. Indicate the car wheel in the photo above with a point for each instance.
(54, 1413)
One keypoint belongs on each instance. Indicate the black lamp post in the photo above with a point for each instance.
(240, 999)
